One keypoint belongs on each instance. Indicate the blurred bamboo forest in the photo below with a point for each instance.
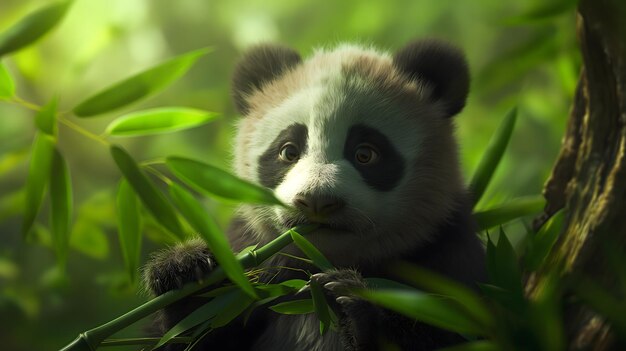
(521, 53)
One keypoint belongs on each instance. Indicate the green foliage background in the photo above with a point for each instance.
(520, 53)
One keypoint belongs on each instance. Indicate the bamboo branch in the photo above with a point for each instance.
(91, 339)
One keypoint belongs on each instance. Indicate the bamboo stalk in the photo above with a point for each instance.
(91, 339)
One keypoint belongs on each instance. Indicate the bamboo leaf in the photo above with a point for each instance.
(381, 283)
(233, 309)
(434, 310)
(61, 205)
(320, 306)
(32, 27)
(467, 299)
(216, 182)
(200, 220)
(203, 313)
(138, 86)
(159, 120)
(46, 117)
(295, 284)
(37, 180)
(492, 156)
(152, 199)
(516, 208)
(304, 306)
(311, 252)
(7, 87)
(541, 243)
(504, 271)
(129, 228)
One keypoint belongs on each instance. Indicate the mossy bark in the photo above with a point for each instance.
(589, 177)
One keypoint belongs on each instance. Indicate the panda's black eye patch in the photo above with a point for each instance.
(373, 155)
(282, 154)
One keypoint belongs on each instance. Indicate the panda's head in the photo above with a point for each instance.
(357, 140)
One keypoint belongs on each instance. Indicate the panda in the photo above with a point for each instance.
(360, 142)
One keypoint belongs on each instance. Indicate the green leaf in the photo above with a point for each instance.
(152, 199)
(129, 228)
(294, 307)
(381, 283)
(468, 300)
(516, 208)
(216, 182)
(200, 315)
(89, 238)
(37, 180)
(233, 309)
(32, 27)
(200, 220)
(503, 269)
(311, 251)
(159, 120)
(295, 284)
(61, 204)
(474, 346)
(492, 156)
(434, 310)
(545, 312)
(320, 306)
(541, 243)
(7, 87)
(138, 86)
(46, 117)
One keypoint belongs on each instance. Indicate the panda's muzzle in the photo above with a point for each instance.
(317, 208)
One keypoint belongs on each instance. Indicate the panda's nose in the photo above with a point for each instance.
(318, 205)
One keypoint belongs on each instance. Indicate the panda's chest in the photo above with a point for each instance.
(298, 332)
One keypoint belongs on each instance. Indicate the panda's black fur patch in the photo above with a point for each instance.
(260, 64)
(440, 65)
(385, 174)
(272, 169)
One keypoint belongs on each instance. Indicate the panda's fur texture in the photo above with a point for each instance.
(361, 142)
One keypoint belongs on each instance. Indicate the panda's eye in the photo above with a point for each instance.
(365, 154)
(289, 152)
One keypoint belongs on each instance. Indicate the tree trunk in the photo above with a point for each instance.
(589, 177)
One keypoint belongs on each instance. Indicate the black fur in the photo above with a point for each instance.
(272, 169)
(439, 64)
(260, 64)
(383, 175)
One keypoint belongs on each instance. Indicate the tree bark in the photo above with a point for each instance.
(589, 177)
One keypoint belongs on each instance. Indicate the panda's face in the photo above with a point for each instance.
(351, 144)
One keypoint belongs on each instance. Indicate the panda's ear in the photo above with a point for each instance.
(440, 65)
(260, 64)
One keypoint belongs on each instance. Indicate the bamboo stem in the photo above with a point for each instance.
(91, 339)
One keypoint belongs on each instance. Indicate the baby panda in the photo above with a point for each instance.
(362, 143)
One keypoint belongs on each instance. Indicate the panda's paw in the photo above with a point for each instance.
(339, 286)
(173, 267)
(357, 318)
